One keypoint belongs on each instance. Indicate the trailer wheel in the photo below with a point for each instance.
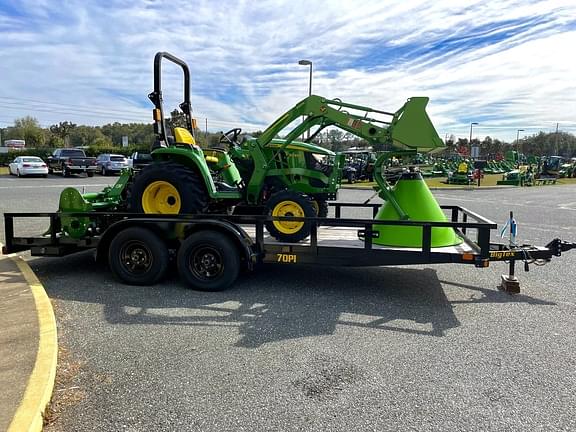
(289, 203)
(168, 188)
(208, 261)
(137, 256)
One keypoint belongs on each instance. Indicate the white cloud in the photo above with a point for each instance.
(505, 65)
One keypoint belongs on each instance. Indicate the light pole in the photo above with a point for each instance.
(308, 63)
(470, 141)
(518, 142)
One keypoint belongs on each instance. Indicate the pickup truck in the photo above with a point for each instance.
(139, 160)
(71, 161)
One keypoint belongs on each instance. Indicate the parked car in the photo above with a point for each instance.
(28, 165)
(111, 163)
(71, 161)
(139, 160)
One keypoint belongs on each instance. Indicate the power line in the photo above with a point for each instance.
(78, 107)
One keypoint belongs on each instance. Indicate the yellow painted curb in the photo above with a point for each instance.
(29, 416)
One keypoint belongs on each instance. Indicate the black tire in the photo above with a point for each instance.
(103, 171)
(18, 173)
(189, 184)
(306, 207)
(90, 173)
(208, 261)
(351, 178)
(322, 207)
(65, 172)
(137, 256)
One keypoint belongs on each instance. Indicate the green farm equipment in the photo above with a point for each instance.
(461, 174)
(266, 175)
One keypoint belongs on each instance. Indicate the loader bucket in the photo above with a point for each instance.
(415, 199)
(412, 129)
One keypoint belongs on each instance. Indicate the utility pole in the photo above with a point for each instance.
(307, 63)
(206, 133)
(470, 141)
(556, 141)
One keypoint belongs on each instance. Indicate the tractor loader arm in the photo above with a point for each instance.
(408, 128)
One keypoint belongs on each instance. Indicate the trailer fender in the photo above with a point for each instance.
(240, 238)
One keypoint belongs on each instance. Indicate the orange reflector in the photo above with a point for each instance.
(226, 166)
(194, 124)
(156, 114)
(467, 257)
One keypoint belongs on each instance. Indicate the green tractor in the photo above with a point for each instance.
(246, 175)
(251, 175)
(265, 175)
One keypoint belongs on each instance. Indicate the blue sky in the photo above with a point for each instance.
(507, 65)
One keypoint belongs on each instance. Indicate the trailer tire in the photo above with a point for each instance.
(137, 256)
(208, 261)
(289, 203)
(168, 188)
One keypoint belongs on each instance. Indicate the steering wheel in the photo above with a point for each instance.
(231, 136)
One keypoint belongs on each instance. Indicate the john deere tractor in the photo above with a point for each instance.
(263, 175)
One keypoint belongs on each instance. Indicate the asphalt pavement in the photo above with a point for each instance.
(424, 348)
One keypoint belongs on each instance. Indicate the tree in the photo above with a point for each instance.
(63, 130)
(87, 136)
(28, 129)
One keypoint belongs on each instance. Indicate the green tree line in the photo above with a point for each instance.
(141, 135)
(540, 144)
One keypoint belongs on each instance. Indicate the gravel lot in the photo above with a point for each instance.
(425, 348)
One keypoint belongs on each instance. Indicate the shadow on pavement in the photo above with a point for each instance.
(276, 302)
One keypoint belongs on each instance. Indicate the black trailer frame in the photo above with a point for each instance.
(258, 248)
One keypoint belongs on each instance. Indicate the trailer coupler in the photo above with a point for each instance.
(528, 255)
(558, 246)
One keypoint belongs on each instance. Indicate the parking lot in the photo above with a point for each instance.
(425, 348)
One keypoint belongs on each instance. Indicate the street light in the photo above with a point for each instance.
(308, 63)
(518, 142)
(470, 141)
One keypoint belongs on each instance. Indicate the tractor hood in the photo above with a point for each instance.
(301, 146)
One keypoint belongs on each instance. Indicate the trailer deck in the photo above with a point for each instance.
(333, 241)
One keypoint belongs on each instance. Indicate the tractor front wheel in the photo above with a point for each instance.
(320, 207)
(288, 203)
(168, 188)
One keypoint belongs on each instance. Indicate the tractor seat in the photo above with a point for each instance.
(225, 187)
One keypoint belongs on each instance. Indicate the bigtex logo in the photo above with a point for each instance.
(502, 254)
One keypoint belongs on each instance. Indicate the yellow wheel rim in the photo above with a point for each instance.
(288, 208)
(161, 197)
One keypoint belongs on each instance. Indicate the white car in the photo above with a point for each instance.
(28, 165)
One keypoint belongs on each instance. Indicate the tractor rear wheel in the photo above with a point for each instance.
(168, 188)
(289, 203)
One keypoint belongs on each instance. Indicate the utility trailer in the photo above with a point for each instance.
(211, 250)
